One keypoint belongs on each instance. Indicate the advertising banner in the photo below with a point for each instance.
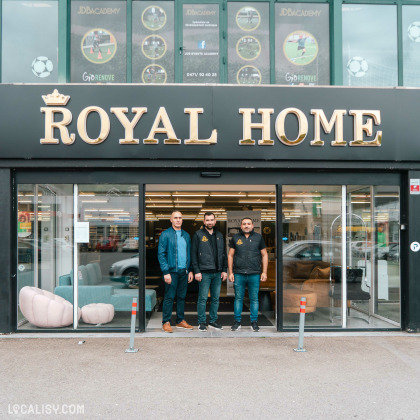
(98, 41)
(302, 44)
(201, 43)
(249, 43)
(153, 42)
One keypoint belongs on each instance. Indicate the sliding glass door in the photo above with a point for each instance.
(341, 251)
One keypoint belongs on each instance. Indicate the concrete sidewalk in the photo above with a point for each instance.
(365, 376)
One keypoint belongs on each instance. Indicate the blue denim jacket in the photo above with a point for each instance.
(167, 250)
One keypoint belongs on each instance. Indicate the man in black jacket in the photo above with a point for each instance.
(209, 262)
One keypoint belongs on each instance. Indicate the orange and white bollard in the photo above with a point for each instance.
(301, 324)
(133, 327)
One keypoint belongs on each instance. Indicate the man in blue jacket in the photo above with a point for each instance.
(174, 259)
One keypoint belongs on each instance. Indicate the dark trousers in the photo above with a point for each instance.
(177, 289)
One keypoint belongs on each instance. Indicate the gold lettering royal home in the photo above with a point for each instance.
(58, 118)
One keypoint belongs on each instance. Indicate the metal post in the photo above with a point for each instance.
(133, 327)
(301, 324)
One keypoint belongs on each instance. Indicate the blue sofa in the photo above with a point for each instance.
(95, 288)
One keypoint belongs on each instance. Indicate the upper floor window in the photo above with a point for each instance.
(411, 45)
(29, 41)
(370, 50)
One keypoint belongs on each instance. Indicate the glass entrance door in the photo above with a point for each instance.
(341, 251)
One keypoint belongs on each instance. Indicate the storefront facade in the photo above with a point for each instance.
(90, 175)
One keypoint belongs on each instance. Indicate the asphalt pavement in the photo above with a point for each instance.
(340, 376)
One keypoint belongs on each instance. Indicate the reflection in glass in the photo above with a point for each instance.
(313, 230)
(248, 41)
(411, 44)
(29, 41)
(311, 251)
(153, 40)
(370, 54)
(387, 253)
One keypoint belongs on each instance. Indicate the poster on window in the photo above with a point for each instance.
(98, 42)
(248, 43)
(302, 44)
(153, 42)
(233, 226)
(200, 47)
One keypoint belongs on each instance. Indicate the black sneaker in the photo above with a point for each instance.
(215, 325)
(202, 328)
(254, 326)
(236, 326)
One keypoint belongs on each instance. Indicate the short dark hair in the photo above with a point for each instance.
(246, 218)
(208, 213)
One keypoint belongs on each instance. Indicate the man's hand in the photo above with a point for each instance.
(231, 277)
(190, 277)
(224, 276)
(198, 277)
(167, 278)
(263, 277)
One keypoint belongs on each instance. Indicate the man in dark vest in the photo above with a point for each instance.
(246, 255)
(209, 263)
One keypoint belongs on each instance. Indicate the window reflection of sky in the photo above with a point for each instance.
(370, 32)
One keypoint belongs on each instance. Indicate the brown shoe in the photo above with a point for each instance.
(184, 324)
(167, 327)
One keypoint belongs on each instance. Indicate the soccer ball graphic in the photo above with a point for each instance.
(413, 31)
(42, 67)
(357, 66)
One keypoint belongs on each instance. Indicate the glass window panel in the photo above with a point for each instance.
(200, 43)
(411, 45)
(248, 43)
(30, 41)
(387, 253)
(112, 212)
(45, 251)
(311, 252)
(370, 52)
(153, 42)
(302, 44)
(98, 41)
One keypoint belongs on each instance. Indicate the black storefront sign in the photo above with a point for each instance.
(172, 122)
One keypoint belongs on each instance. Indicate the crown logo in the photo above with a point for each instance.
(56, 98)
(204, 239)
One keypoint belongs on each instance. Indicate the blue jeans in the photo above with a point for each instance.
(240, 284)
(178, 289)
(211, 281)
